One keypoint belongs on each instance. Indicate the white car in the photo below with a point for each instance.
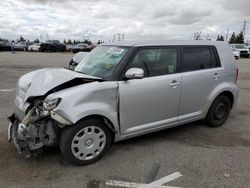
(34, 47)
(236, 53)
(77, 59)
(121, 90)
(242, 49)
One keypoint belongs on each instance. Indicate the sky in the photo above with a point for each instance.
(136, 19)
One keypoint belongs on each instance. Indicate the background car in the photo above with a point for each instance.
(52, 46)
(77, 59)
(82, 47)
(242, 49)
(69, 47)
(236, 53)
(34, 47)
(5, 46)
(22, 46)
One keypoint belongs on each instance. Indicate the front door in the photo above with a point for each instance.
(151, 102)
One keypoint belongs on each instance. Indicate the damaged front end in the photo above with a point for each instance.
(34, 131)
(35, 122)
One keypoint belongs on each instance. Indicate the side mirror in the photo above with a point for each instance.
(134, 73)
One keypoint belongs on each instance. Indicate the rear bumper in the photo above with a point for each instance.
(236, 95)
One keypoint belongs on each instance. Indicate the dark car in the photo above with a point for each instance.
(82, 47)
(5, 46)
(52, 46)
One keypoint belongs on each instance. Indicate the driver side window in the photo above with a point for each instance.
(156, 61)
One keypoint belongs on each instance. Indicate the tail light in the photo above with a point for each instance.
(237, 74)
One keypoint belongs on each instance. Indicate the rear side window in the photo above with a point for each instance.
(198, 58)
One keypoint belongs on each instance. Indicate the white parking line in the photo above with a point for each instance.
(156, 184)
(7, 90)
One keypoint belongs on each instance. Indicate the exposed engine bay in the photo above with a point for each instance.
(35, 124)
(36, 130)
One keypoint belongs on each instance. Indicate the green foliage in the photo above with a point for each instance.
(21, 39)
(240, 38)
(220, 38)
(237, 39)
(69, 42)
(36, 40)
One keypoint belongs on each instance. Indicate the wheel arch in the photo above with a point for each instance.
(105, 120)
(228, 94)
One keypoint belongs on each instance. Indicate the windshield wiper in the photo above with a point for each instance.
(80, 72)
(97, 78)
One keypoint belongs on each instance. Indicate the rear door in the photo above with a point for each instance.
(151, 102)
(201, 73)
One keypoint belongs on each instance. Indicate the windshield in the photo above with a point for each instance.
(240, 46)
(101, 61)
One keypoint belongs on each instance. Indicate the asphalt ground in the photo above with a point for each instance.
(205, 157)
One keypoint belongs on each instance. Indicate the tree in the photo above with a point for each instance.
(232, 39)
(220, 38)
(69, 42)
(239, 38)
(36, 40)
(21, 39)
(64, 41)
(87, 42)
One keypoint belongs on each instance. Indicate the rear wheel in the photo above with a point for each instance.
(219, 111)
(86, 142)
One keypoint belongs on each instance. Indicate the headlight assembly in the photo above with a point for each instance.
(50, 105)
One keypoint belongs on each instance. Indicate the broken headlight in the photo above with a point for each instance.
(50, 105)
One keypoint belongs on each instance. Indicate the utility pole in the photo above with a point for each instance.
(41, 38)
(119, 36)
(47, 36)
(227, 35)
(244, 29)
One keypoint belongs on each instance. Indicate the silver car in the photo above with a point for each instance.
(123, 90)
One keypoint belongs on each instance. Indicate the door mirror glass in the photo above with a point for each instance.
(134, 73)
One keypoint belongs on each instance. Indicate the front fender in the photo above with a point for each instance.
(95, 98)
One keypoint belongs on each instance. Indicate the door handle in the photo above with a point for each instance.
(174, 83)
(215, 76)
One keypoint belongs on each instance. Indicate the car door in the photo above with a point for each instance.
(201, 73)
(153, 101)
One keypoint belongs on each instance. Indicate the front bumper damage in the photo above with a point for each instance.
(33, 132)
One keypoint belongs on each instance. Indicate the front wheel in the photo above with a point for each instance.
(86, 142)
(219, 111)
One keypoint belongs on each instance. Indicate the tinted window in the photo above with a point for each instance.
(197, 58)
(156, 62)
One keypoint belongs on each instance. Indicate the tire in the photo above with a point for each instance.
(80, 148)
(219, 111)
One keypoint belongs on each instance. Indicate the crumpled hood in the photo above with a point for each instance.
(39, 82)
